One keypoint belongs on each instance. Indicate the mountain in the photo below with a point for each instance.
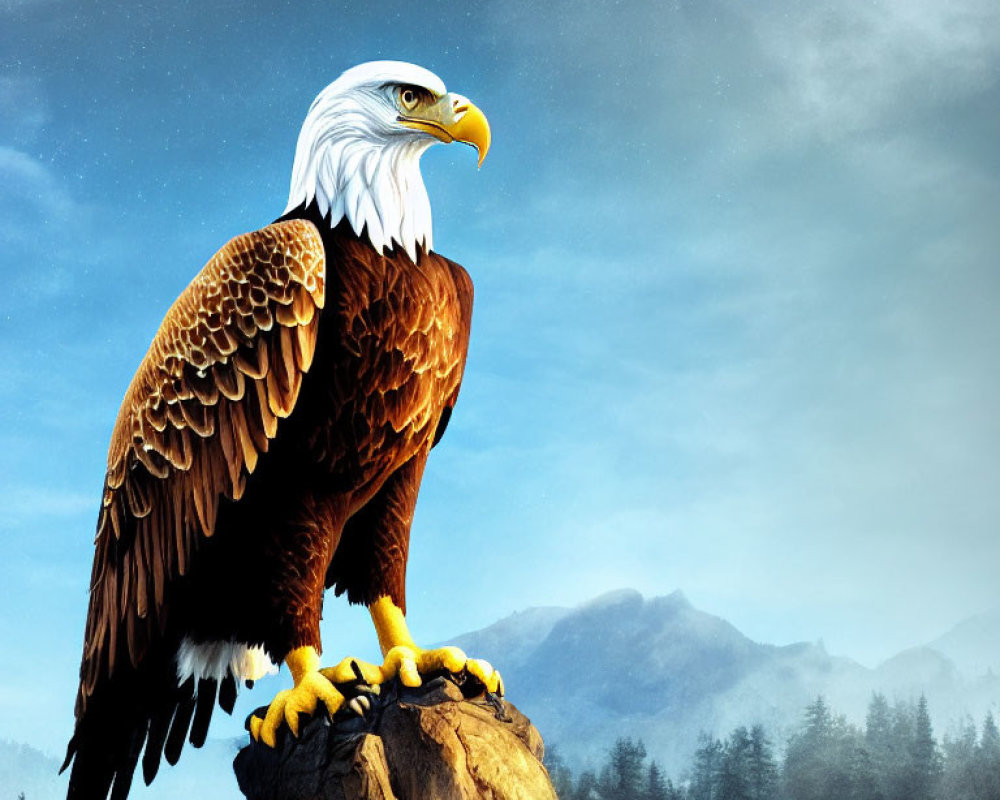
(664, 671)
(973, 645)
(25, 769)
(516, 636)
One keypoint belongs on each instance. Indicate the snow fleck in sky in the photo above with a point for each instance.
(736, 324)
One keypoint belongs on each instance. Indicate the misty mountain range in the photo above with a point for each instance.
(657, 669)
(662, 670)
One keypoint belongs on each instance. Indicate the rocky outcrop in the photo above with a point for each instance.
(411, 744)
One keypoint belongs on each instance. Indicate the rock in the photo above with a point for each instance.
(431, 742)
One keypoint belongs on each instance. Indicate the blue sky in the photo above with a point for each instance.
(735, 331)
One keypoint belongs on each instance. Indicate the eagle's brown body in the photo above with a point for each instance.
(270, 445)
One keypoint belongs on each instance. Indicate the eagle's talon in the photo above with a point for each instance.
(496, 702)
(312, 689)
(360, 705)
(256, 725)
(483, 672)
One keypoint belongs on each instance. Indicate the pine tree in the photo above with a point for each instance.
(656, 787)
(865, 780)
(675, 792)
(990, 740)
(899, 777)
(878, 730)
(622, 777)
(559, 773)
(924, 766)
(819, 721)
(958, 781)
(763, 769)
(987, 766)
(875, 765)
(818, 761)
(586, 787)
(734, 772)
(804, 763)
(707, 762)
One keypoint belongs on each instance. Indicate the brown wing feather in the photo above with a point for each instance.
(225, 365)
(464, 289)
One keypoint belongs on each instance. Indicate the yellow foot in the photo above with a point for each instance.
(409, 662)
(311, 688)
(404, 658)
(352, 670)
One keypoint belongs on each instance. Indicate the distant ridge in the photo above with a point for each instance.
(973, 644)
(664, 671)
(25, 769)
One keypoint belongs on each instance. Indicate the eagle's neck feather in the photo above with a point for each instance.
(375, 184)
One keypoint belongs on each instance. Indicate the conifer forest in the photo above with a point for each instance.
(893, 756)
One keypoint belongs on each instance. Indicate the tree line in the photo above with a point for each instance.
(894, 756)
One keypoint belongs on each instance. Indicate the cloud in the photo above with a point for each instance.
(33, 193)
(24, 110)
(42, 226)
(21, 503)
(845, 69)
(27, 181)
(34, 200)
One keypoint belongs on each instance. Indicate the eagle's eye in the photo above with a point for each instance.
(408, 98)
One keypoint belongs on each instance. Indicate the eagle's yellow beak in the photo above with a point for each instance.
(452, 118)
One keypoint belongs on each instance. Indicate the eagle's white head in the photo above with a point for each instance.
(358, 154)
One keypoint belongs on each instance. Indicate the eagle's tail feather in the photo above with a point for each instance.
(181, 722)
(159, 724)
(124, 773)
(207, 692)
(131, 712)
(101, 752)
(91, 777)
(119, 718)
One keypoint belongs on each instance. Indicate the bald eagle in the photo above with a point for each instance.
(272, 442)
